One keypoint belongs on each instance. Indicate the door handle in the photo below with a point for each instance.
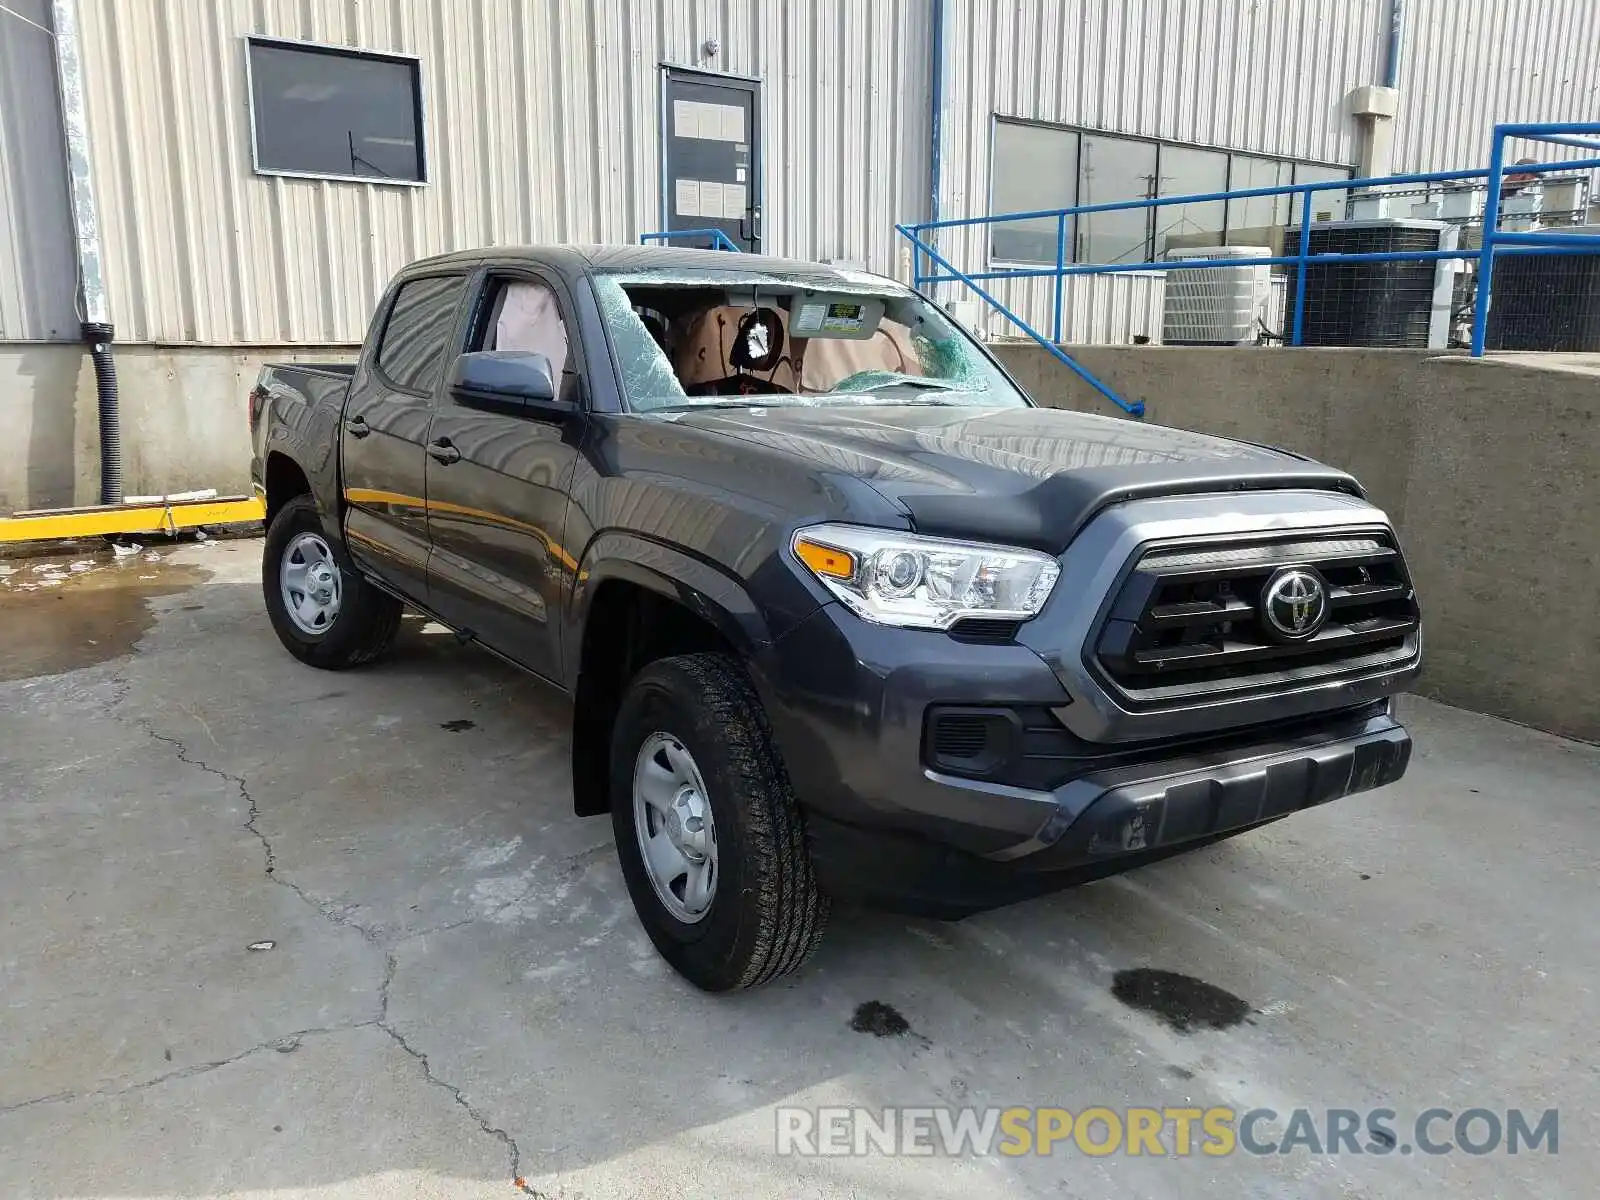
(357, 427)
(443, 452)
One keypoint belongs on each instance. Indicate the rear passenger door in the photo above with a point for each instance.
(386, 425)
(497, 484)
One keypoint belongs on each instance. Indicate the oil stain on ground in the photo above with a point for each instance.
(1183, 1002)
(59, 616)
(459, 725)
(879, 1019)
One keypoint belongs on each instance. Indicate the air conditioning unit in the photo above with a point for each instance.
(1372, 303)
(1547, 301)
(1216, 306)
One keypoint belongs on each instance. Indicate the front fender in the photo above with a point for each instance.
(705, 589)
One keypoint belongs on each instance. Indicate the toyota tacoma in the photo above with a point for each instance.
(842, 613)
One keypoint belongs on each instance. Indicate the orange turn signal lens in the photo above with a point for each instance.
(825, 560)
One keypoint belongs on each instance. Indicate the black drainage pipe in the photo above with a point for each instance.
(98, 335)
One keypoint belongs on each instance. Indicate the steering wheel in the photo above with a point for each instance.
(738, 385)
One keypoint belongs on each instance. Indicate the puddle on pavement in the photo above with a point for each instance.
(1181, 1001)
(70, 611)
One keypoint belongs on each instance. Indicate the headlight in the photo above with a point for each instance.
(921, 582)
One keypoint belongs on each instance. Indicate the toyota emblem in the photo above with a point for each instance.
(1295, 603)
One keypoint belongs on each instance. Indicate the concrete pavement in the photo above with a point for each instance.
(266, 931)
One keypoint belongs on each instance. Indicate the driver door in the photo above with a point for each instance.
(498, 486)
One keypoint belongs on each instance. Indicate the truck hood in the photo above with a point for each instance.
(1022, 476)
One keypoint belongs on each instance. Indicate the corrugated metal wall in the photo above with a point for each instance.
(38, 274)
(1470, 64)
(542, 127)
(1243, 74)
(1271, 76)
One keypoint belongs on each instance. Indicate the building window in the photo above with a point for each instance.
(1035, 166)
(335, 114)
(1039, 167)
(1112, 169)
(1186, 171)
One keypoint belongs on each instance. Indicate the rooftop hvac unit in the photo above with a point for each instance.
(1216, 306)
(1373, 303)
(1546, 301)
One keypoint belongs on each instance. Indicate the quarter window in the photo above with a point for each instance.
(412, 352)
(328, 112)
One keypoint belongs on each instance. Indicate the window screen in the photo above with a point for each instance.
(413, 348)
(318, 111)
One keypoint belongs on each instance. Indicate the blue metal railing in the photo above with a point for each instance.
(1494, 241)
(719, 240)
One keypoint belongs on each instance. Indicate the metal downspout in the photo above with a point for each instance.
(1397, 27)
(95, 314)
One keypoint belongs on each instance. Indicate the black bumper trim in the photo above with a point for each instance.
(1148, 807)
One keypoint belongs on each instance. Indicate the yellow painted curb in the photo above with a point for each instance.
(169, 517)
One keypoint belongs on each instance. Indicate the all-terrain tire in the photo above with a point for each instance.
(766, 915)
(367, 620)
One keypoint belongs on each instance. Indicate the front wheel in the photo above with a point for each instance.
(707, 828)
(321, 608)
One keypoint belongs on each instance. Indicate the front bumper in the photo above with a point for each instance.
(847, 701)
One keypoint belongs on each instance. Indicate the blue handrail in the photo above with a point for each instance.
(1133, 408)
(1494, 242)
(719, 240)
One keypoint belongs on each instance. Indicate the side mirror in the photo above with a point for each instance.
(514, 382)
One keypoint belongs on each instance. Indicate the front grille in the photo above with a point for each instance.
(1189, 621)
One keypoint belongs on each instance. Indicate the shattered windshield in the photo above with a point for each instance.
(685, 340)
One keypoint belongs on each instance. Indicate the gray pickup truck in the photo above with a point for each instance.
(842, 613)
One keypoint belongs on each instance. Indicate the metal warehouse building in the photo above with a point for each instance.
(259, 168)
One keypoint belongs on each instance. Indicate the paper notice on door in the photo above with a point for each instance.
(686, 118)
(687, 198)
(733, 201)
(709, 122)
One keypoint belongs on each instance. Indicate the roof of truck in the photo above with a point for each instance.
(629, 259)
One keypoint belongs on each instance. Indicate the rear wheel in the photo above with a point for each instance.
(708, 832)
(322, 609)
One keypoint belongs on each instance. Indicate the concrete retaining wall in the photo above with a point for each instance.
(1490, 468)
(183, 419)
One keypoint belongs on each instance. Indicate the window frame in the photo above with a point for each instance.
(1081, 131)
(486, 283)
(419, 107)
(453, 342)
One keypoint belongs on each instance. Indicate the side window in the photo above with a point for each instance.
(525, 315)
(412, 352)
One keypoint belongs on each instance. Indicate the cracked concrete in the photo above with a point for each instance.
(458, 1001)
(381, 1021)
